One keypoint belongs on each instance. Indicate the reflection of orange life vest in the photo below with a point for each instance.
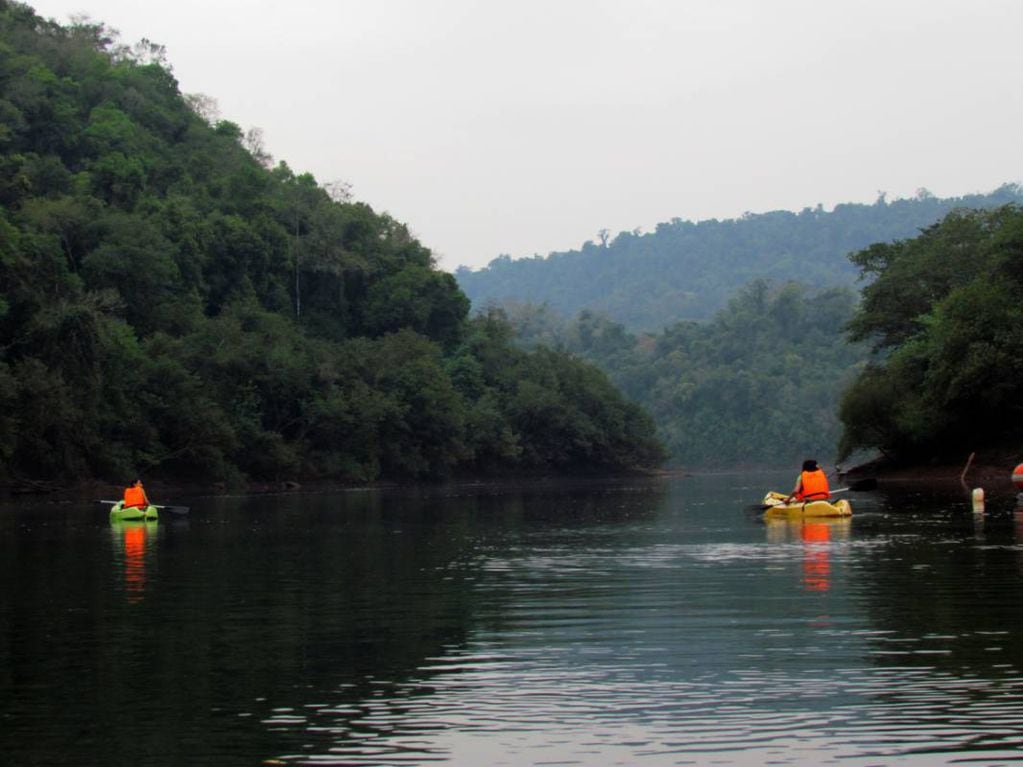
(813, 486)
(816, 567)
(135, 497)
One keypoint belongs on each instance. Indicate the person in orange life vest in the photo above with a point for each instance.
(811, 484)
(135, 496)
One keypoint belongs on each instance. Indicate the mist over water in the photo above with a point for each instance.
(592, 623)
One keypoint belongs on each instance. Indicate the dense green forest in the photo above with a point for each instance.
(757, 386)
(689, 270)
(924, 365)
(174, 305)
(943, 312)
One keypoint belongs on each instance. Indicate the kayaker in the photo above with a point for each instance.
(811, 484)
(135, 496)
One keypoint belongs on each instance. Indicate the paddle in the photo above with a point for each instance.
(860, 486)
(171, 509)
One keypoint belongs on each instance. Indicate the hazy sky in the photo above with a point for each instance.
(525, 127)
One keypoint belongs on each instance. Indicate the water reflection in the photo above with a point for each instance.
(816, 537)
(133, 543)
(647, 623)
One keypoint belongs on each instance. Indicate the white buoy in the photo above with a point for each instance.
(978, 500)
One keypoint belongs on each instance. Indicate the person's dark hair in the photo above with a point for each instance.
(136, 481)
(809, 465)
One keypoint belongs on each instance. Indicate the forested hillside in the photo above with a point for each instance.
(757, 386)
(943, 311)
(688, 270)
(924, 366)
(172, 305)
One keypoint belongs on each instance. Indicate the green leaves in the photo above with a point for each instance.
(946, 306)
(687, 270)
(169, 305)
(756, 386)
(419, 298)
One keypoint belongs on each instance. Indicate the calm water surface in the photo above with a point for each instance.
(653, 622)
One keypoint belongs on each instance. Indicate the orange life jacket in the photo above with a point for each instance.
(135, 497)
(813, 486)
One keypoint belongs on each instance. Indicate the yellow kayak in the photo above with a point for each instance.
(777, 508)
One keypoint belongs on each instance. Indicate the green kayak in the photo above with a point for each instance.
(120, 514)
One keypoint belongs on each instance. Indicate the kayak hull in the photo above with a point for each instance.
(778, 509)
(118, 513)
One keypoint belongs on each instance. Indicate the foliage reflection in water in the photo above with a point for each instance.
(649, 622)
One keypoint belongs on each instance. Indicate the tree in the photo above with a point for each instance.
(943, 309)
(688, 270)
(171, 304)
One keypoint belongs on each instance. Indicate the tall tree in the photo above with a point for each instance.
(942, 312)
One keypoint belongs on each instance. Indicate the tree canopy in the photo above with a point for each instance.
(943, 313)
(686, 270)
(756, 386)
(173, 303)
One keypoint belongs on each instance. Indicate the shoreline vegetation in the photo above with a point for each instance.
(990, 470)
(92, 489)
(945, 378)
(176, 305)
(987, 471)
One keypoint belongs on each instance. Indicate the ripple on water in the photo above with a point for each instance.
(493, 708)
(651, 654)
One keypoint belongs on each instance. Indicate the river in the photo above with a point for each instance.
(645, 622)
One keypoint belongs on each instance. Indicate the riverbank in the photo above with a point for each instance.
(991, 470)
(160, 491)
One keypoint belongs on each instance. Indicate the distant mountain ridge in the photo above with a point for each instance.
(688, 270)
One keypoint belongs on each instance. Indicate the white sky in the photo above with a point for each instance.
(527, 126)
